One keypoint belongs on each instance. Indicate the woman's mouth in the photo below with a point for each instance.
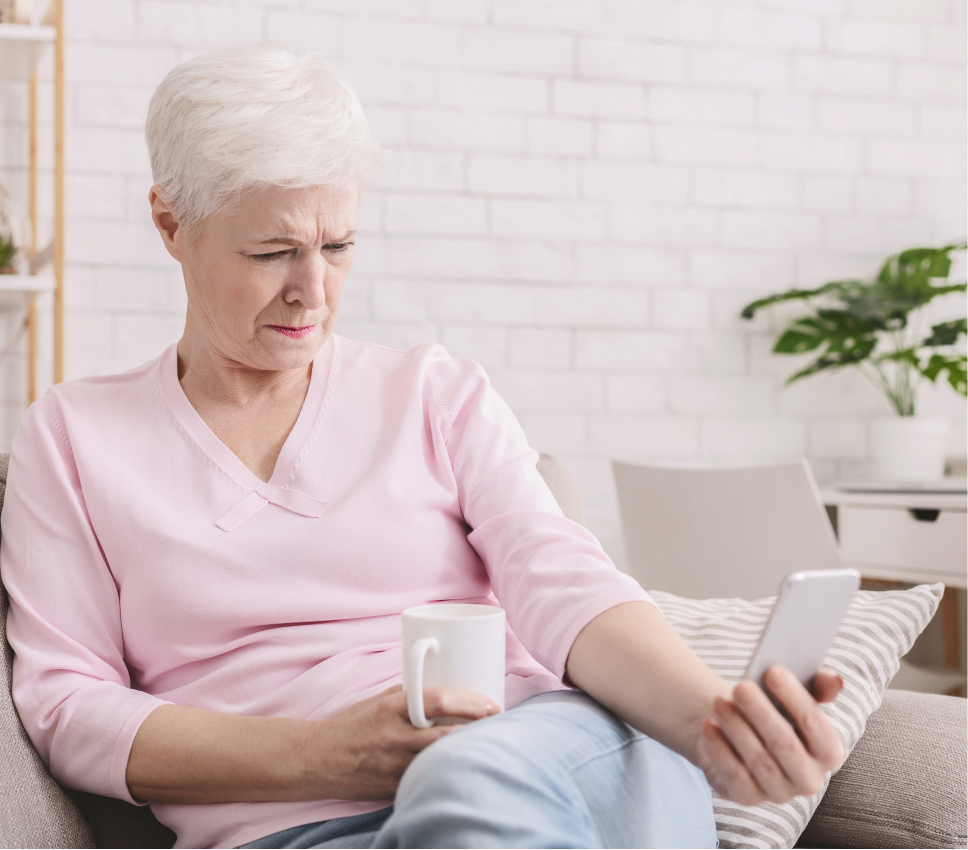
(291, 331)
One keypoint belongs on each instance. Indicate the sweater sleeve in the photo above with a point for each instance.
(70, 683)
(550, 574)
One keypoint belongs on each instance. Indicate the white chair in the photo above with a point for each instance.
(733, 532)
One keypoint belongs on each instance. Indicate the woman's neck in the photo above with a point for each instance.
(251, 411)
(213, 377)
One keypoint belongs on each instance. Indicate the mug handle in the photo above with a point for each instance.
(415, 700)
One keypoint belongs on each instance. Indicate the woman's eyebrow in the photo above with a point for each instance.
(281, 240)
(295, 243)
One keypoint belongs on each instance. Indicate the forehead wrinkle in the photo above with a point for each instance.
(289, 227)
(297, 217)
(295, 242)
(299, 223)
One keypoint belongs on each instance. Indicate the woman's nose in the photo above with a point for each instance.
(307, 282)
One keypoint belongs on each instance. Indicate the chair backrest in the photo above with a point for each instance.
(34, 810)
(733, 532)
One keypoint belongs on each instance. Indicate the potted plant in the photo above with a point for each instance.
(8, 244)
(878, 328)
(7, 253)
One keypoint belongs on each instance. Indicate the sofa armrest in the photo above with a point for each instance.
(904, 784)
(34, 810)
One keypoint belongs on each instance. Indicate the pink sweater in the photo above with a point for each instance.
(146, 564)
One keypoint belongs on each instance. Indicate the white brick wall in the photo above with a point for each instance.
(580, 194)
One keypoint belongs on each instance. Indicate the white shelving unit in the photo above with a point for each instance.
(19, 290)
(22, 46)
(27, 283)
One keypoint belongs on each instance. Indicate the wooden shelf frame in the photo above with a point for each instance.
(21, 48)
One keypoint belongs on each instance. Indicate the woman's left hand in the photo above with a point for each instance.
(632, 661)
(751, 753)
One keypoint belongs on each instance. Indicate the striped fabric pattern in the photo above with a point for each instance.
(879, 627)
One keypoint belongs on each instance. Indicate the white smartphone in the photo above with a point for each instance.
(803, 623)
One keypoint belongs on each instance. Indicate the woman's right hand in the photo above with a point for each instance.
(186, 755)
(361, 753)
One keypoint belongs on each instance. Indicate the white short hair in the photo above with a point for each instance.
(249, 118)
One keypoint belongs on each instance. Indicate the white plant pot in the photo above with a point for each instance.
(910, 448)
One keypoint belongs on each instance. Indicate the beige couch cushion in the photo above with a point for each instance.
(34, 811)
(904, 783)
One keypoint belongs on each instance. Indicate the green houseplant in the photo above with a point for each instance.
(878, 327)
(7, 253)
(8, 245)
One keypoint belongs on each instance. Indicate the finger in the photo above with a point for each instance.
(778, 736)
(420, 739)
(446, 702)
(768, 775)
(826, 686)
(706, 762)
(450, 702)
(811, 723)
(732, 779)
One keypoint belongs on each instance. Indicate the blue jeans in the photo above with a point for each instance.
(559, 770)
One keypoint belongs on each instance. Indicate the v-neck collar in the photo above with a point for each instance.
(259, 492)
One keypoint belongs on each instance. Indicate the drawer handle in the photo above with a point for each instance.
(925, 514)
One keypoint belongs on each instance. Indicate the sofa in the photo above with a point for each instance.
(904, 785)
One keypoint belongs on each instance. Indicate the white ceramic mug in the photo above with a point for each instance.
(454, 646)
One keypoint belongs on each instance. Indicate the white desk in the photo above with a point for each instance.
(913, 536)
(907, 534)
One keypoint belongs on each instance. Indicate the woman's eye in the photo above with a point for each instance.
(275, 255)
(338, 247)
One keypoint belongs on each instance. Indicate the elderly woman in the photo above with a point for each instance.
(207, 556)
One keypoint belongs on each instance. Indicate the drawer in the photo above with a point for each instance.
(895, 537)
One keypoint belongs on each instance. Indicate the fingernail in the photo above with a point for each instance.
(840, 680)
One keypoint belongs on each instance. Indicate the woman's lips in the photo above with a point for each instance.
(292, 332)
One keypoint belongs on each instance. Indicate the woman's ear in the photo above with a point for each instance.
(166, 223)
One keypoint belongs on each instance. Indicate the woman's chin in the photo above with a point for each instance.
(281, 352)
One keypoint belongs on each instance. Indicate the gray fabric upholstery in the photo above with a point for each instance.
(904, 784)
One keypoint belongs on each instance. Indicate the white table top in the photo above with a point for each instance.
(948, 494)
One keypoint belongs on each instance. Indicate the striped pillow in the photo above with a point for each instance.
(879, 627)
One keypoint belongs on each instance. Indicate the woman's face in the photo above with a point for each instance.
(264, 280)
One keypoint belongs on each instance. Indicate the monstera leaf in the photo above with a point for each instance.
(954, 365)
(844, 338)
(853, 321)
(836, 286)
(946, 333)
